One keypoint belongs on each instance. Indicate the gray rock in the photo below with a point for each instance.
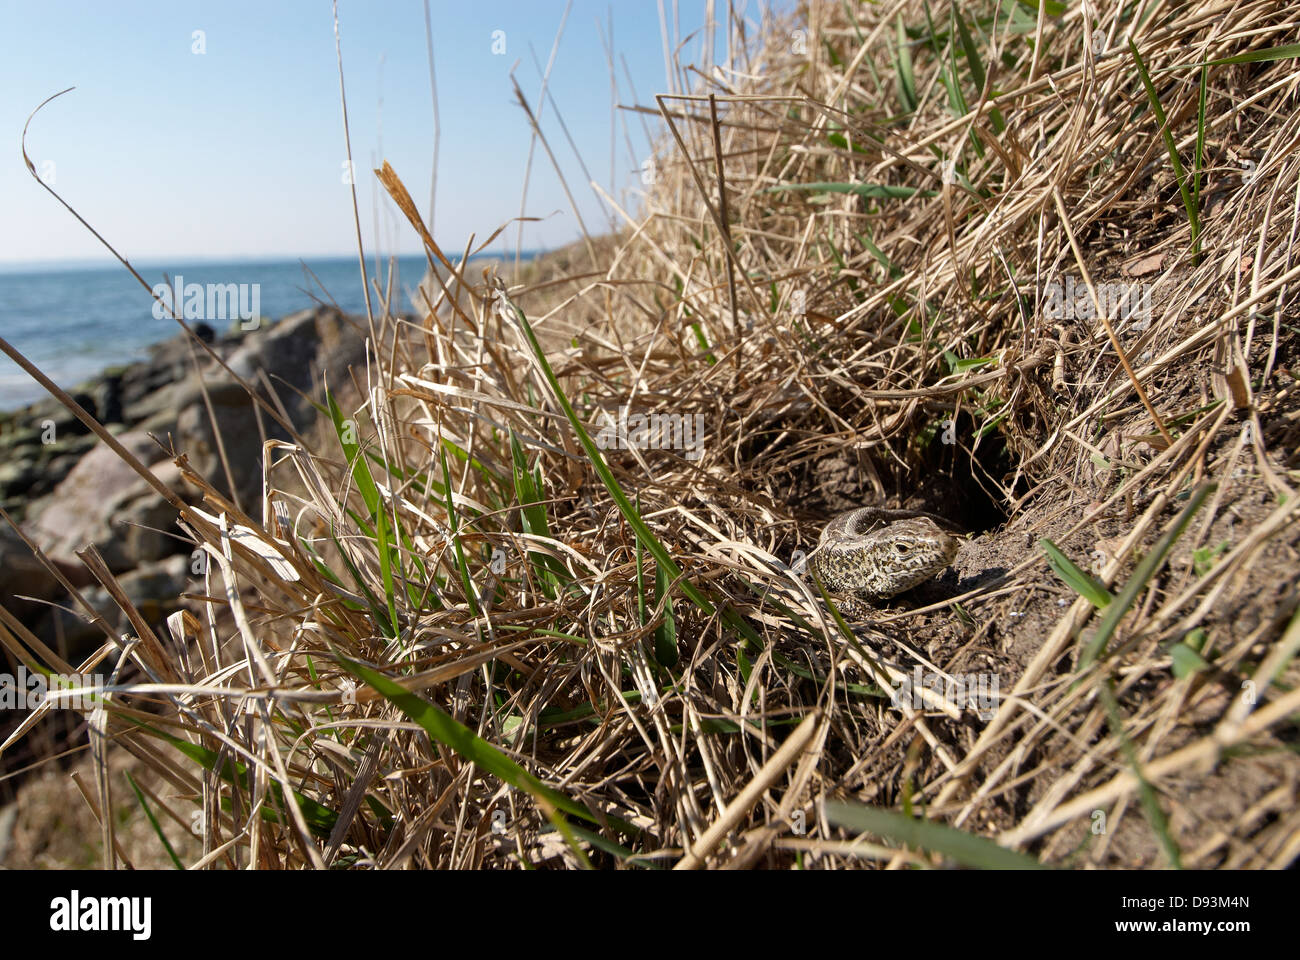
(22, 575)
(82, 508)
(17, 477)
(108, 398)
(64, 446)
(293, 354)
(148, 523)
(157, 412)
(154, 589)
(21, 437)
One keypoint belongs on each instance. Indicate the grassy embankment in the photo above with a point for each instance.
(487, 640)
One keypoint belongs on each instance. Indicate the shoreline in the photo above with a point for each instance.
(10, 268)
(79, 323)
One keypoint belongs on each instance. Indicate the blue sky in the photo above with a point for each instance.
(238, 151)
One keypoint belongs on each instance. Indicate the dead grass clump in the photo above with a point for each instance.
(542, 601)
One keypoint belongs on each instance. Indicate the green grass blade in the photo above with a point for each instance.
(877, 190)
(376, 611)
(1146, 569)
(1054, 8)
(666, 632)
(903, 69)
(703, 342)
(951, 80)
(893, 269)
(1081, 583)
(528, 491)
(445, 729)
(630, 514)
(346, 431)
(959, 846)
(979, 75)
(609, 846)
(841, 141)
(633, 518)
(453, 526)
(1284, 52)
(1146, 793)
(1198, 161)
(384, 546)
(319, 818)
(153, 822)
(486, 472)
(973, 61)
(638, 555)
(1180, 174)
(1186, 654)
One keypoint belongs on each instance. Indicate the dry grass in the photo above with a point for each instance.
(613, 643)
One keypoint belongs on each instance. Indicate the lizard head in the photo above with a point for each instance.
(909, 552)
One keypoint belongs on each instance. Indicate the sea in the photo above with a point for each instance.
(73, 320)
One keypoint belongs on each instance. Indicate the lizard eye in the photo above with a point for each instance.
(901, 548)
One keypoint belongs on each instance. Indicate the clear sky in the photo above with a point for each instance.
(237, 151)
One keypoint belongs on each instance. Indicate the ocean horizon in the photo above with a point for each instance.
(76, 318)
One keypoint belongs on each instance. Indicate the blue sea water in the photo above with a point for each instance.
(72, 322)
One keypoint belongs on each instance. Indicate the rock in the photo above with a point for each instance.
(14, 433)
(67, 422)
(40, 426)
(17, 477)
(140, 382)
(82, 509)
(154, 589)
(29, 472)
(236, 419)
(170, 362)
(22, 575)
(148, 523)
(293, 355)
(108, 398)
(37, 474)
(157, 412)
(73, 446)
(22, 439)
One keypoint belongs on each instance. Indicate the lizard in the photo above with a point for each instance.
(873, 553)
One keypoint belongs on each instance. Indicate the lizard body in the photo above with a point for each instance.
(872, 553)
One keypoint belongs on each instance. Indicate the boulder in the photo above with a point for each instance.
(154, 589)
(85, 506)
(108, 397)
(293, 354)
(148, 522)
(17, 477)
(38, 446)
(22, 576)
